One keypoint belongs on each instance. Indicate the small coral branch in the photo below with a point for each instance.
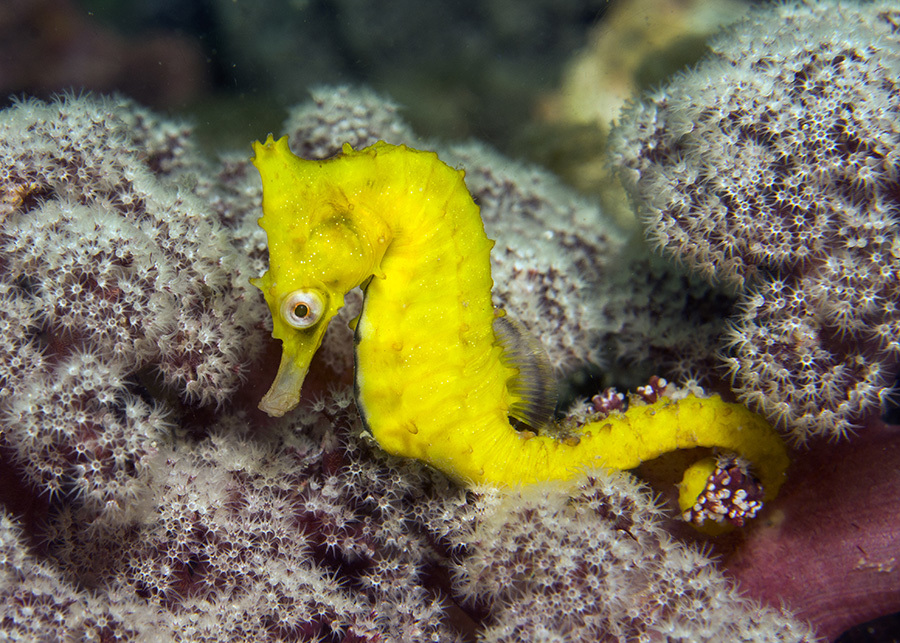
(730, 493)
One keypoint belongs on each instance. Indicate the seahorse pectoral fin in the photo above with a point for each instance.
(533, 388)
(284, 394)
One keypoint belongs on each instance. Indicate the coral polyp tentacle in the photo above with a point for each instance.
(435, 380)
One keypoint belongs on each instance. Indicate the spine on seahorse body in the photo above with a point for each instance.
(431, 383)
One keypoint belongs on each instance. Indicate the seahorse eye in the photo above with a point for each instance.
(302, 308)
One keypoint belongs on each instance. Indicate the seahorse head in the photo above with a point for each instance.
(321, 245)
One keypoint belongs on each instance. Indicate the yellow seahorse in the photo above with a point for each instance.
(433, 380)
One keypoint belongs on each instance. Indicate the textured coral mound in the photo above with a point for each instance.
(589, 561)
(774, 167)
(115, 281)
(303, 533)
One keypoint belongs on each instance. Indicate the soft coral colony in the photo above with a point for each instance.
(775, 168)
(114, 281)
(300, 529)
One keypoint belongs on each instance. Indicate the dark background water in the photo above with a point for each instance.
(463, 68)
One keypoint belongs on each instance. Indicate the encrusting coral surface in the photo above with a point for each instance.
(774, 167)
(174, 512)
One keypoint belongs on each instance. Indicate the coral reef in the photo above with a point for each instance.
(116, 282)
(37, 604)
(175, 512)
(774, 168)
(553, 251)
(76, 430)
(318, 127)
(302, 532)
(112, 253)
(657, 318)
(588, 561)
(272, 535)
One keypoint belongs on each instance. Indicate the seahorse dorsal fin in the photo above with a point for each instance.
(534, 386)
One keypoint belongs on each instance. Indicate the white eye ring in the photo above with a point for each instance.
(302, 308)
